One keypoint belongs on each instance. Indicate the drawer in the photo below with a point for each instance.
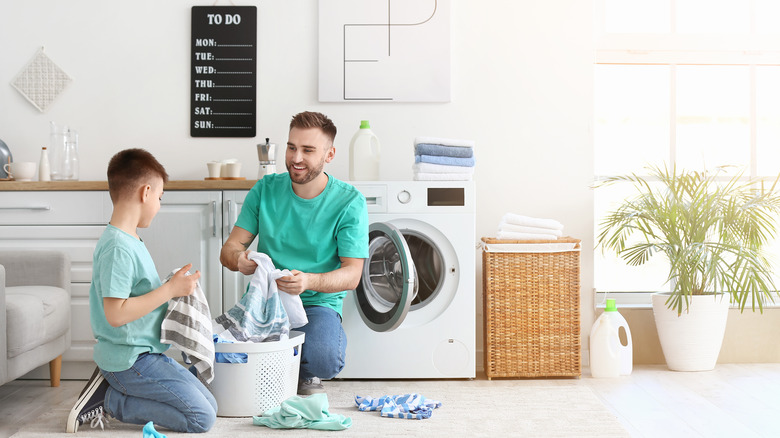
(55, 208)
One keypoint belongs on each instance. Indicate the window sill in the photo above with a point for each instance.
(642, 300)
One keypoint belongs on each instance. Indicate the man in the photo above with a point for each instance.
(317, 227)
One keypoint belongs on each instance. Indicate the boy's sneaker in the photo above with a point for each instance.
(310, 386)
(89, 405)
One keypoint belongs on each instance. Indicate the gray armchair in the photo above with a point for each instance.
(34, 312)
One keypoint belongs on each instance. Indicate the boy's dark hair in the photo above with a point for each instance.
(310, 119)
(130, 168)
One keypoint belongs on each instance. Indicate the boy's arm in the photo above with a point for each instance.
(344, 278)
(120, 311)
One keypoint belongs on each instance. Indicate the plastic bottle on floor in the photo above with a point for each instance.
(604, 354)
(364, 154)
(613, 340)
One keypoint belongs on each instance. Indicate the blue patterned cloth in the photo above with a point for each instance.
(411, 406)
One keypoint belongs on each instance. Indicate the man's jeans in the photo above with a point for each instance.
(325, 345)
(158, 389)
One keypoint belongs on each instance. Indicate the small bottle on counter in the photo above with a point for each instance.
(44, 171)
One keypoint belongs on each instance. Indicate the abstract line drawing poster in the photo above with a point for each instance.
(384, 50)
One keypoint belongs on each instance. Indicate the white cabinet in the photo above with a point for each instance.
(71, 222)
(190, 227)
(233, 283)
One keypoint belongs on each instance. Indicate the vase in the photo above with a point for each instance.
(692, 340)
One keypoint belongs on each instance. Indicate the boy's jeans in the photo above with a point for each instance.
(325, 345)
(156, 388)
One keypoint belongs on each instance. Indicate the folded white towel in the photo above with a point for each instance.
(526, 221)
(425, 176)
(503, 226)
(510, 235)
(445, 141)
(440, 168)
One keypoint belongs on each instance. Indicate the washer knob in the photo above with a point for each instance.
(404, 197)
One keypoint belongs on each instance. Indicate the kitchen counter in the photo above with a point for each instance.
(17, 186)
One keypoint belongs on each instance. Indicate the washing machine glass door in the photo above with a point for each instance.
(389, 281)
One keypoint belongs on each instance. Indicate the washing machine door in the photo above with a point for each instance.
(389, 281)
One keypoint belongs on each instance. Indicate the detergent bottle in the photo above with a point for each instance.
(607, 349)
(604, 354)
(364, 154)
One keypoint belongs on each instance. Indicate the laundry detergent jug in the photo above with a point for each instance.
(610, 343)
(364, 154)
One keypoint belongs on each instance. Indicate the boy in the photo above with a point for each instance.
(135, 382)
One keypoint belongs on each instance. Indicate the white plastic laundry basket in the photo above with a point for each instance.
(269, 376)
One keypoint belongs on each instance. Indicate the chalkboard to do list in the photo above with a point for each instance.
(224, 71)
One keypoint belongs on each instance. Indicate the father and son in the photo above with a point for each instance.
(306, 220)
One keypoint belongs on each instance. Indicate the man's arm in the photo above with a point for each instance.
(233, 253)
(344, 278)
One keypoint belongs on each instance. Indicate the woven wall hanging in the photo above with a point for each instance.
(41, 81)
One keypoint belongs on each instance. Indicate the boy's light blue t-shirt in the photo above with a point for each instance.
(123, 268)
(307, 234)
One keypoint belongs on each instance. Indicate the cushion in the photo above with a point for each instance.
(35, 315)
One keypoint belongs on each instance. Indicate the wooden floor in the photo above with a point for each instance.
(734, 400)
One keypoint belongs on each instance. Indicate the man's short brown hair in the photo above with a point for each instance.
(310, 119)
(131, 168)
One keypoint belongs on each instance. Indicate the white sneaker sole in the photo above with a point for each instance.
(73, 425)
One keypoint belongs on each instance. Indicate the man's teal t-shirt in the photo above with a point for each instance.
(307, 234)
(123, 268)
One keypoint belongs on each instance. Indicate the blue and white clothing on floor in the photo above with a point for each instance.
(413, 406)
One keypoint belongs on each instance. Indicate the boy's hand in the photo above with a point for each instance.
(182, 284)
(246, 266)
(293, 284)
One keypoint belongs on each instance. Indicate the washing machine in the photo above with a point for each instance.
(413, 314)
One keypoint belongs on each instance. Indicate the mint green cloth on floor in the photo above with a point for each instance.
(303, 413)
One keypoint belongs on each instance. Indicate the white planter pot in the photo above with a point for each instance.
(691, 341)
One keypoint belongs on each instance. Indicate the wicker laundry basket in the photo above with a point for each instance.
(531, 297)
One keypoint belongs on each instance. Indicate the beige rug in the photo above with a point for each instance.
(477, 408)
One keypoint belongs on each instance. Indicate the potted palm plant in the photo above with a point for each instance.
(712, 230)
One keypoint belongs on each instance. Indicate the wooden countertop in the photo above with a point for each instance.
(18, 186)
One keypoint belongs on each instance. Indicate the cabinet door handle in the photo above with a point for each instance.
(36, 207)
(214, 219)
(230, 215)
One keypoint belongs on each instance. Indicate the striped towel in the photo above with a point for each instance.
(187, 326)
(260, 315)
(412, 406)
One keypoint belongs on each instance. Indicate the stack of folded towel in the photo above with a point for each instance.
(517, 227)
(443, 159)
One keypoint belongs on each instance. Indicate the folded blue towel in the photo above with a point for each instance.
(443, 151)
(446, 161)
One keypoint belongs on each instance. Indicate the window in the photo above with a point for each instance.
(692, 83)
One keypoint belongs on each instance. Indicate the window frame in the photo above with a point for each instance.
(676, 49)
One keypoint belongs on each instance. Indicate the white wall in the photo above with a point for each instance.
(521, 78)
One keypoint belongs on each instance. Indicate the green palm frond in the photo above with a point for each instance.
(711, 230)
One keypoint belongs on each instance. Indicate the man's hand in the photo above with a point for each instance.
(246, 266)
(293, 284)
